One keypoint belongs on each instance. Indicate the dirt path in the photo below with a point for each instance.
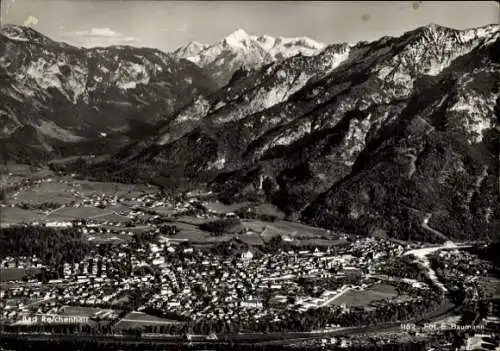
(425, 225)
(333, 298)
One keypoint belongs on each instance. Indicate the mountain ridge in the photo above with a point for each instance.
(436, 83)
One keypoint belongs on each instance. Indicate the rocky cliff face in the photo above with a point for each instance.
(57, 93)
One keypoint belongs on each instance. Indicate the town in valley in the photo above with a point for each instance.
(139, 264)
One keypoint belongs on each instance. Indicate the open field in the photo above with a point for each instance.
(137, 229)
(269, 209)
(61, 189)
(293, 230)
(25, 171)
(108, 238)
(319, 242)
(356, 298)
(108, 215)
(164, 210)
(491, 285)
(9, 274)
(131, 190)
(69, 213)
(251, 239)
(384, 289)
(12, 215)
(46, 192)
(138, 319)
(190, 232)
(191, 220)
(220, 238)
(85, 311)
(299, 229)
(219, 207)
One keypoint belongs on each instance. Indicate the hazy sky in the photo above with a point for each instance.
(169, 24)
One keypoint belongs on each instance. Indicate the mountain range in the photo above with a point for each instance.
(395, 137)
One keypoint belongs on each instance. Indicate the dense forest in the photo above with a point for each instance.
(52, 246)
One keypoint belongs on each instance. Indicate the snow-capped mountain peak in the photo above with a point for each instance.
(266, 41)
(20, 33)
(236, 38)
(240, 49)
(190, 51)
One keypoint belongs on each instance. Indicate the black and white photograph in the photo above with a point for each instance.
(249, 175)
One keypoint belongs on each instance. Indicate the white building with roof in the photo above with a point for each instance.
(247, 256)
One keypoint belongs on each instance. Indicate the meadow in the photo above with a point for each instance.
(360, 298)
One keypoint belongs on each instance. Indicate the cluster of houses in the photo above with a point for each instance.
(462, 264)
(21, 262)
(466, 272)
(203, 286)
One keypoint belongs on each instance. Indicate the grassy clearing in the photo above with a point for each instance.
(491, 285)
(25, 171)
(384, 289)
(108, 238)
(255, 225)
(299, 229)
(268, 209)
(252, 239)
(356, 298)
(192, 220)
(109, 216)
(69, 213)
(138, 319)
(14, 215)
(220, 238)
(84, 311)
(219, 207)
(47, 192)
(294, 230)
(319, 242)
(164, 211)
(110, 188)
(193, 235)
